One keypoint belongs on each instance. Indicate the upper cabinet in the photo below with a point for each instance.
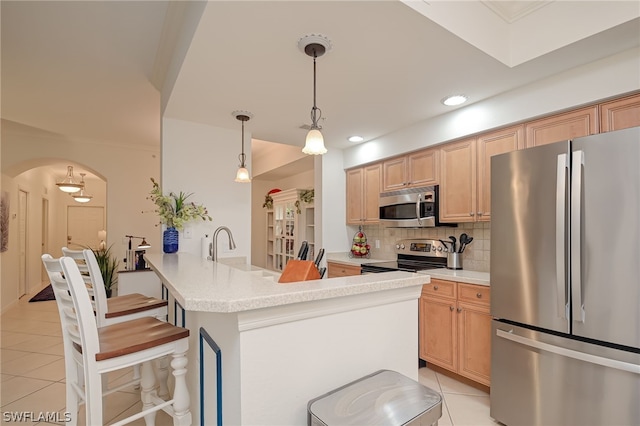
(620, 114)
(363, 194)
(416, 169)
(562, 127)
(458, 181)
(465, 189)
(488, 145)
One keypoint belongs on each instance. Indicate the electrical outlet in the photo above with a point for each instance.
(187, 233)
(377, 244)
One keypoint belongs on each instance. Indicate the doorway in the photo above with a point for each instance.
(23, 215)
(44, 237)
(83, 226)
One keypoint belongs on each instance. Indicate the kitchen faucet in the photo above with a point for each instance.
(214, 243)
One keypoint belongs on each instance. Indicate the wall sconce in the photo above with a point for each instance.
(69, 184)
(242, 175)
(81, 197)
(143, 245)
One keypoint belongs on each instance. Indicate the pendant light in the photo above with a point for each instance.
(69, 184)
(242, 175)
(314, 45)
(81, 197)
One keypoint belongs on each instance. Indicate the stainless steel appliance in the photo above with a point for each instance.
(565, 274)
(412, 255)
(410, 208)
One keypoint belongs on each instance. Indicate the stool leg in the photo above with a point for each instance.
(148, 383)
(93, 396)
(163, 376)
(136, 376)
(181, 401)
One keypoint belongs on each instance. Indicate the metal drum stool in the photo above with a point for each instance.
(382, 398)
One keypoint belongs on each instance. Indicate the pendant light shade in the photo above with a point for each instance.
(81, 197)
(69, 184)
(314, 45)
(242, 175)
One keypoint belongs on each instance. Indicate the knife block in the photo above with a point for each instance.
(299, 270)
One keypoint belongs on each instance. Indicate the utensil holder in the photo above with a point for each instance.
(454, 260)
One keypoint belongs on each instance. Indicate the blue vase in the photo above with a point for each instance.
(170, 240)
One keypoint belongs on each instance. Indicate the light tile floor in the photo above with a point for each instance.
(32, 376)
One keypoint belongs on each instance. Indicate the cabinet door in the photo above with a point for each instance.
(438, 331)
(341, 270)
(423, 168)
(474, 342)
(371, 193)
(458, 182)
(562, 127)
(394, 174)
(355, 179)
(620, 114)
(488, 145)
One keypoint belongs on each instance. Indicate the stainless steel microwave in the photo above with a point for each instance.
(410, 208)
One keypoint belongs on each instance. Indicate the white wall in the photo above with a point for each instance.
(126, 169)
(331, 204)
(590, 83)
(203, 160)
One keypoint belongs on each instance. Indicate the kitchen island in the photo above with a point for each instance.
(265, 349)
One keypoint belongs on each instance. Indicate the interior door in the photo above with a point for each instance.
(45, 237)
(605, 237)
(83, 225)
(23, 212)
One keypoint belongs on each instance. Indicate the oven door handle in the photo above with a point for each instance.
(418, 201)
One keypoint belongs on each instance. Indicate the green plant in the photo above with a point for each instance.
(174, 210)
(108, 264)
(307, 195)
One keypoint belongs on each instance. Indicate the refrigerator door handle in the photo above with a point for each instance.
(561, 191)
(569, 353)
(576, 236)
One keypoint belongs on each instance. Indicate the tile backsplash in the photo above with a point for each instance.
(475, 257)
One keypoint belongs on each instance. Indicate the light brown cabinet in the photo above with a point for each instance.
(488, 145)
(455, 328)
(363, 194)
(458, 182)
(412, 170)
(562, 127)
(335, 269)
(620, 114)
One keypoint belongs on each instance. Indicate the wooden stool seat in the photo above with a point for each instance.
(131, 304)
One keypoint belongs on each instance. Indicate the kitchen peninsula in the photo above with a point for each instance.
(279, 345)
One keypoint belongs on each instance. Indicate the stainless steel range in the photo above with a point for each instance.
(412, 255)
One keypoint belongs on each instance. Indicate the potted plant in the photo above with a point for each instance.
(174, 212)
(108, 264)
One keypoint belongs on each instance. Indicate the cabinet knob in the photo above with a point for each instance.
(451, 308)
(480, 213)
(435, 287)
(459, 309)
(479, 295)
(471, 214)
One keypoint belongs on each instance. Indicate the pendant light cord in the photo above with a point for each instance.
(314, 111)
(242, 157)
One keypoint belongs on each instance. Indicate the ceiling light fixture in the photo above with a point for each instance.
(243, 175)
(355, 139)
(81, 197)
(314, 45)
(454, 100)
(69, 184)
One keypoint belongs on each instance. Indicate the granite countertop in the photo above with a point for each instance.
(203, 285)
(460, 275)
(343, 257)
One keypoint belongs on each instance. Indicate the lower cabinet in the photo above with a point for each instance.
(335, 269)
(455, 328)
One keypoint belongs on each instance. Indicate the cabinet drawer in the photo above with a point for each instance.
(480, 295)
(440, 288)
(339, 270)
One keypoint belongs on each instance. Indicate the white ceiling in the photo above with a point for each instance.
(90, 70)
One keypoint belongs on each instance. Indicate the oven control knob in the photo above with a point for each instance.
(433, 248)
(397, 246)
(440, 248)
(402, 246)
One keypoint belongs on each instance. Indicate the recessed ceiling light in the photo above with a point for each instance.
(355, 139)
(454, 100)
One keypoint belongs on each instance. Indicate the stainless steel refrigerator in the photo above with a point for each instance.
(565, 282)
